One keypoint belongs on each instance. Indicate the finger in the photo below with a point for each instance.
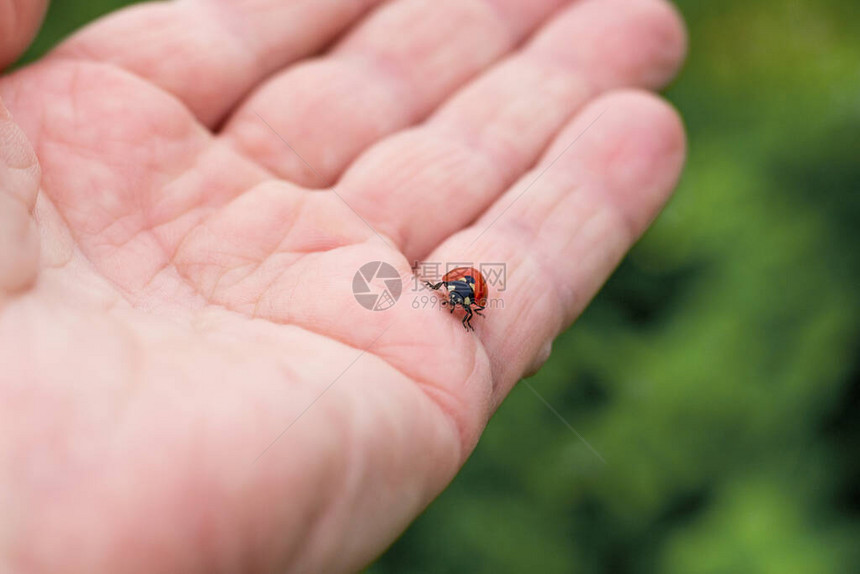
(423, 185)
(19, 184)
(19, 22)
(561, 235)
(389, 73)
(210, 53)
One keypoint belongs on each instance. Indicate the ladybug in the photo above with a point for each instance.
(467, 288)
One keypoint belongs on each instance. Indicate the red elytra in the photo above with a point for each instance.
(480, 286)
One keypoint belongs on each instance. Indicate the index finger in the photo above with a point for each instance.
(564, 227)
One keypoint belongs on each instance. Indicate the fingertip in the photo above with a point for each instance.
(667, 41)
(619, 43)
(634, 151)
(651, 141)
(19, 22)
(660, 37)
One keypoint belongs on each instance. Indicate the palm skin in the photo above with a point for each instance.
(188, 383)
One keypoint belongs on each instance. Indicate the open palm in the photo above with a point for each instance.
(187, 382)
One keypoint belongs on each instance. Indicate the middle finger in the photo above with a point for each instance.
(390, 72)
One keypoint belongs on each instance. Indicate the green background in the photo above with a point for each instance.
(718, 373)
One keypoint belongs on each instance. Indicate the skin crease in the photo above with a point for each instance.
(173, 298)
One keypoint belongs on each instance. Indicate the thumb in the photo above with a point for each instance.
(19, 184)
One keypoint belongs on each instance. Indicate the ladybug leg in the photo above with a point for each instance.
(467, 320)
(478, 310)
(435, 287)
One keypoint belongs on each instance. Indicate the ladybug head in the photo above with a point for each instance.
(454, 297)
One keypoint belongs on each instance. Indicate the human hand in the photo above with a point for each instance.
(175, 293)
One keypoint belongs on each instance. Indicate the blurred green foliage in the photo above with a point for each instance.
(718, 373)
